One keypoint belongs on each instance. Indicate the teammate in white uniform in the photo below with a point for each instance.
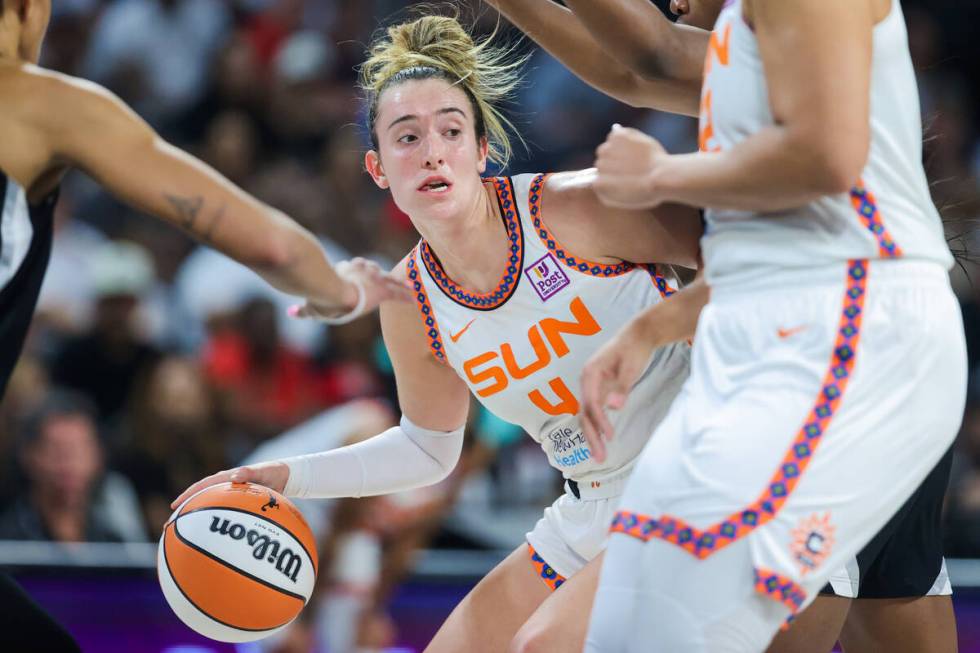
(629, 50)
(518, 281)
(829, 369)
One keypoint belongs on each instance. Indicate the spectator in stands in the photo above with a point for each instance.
(61, 458)
(155, 53)
(266, 386)
(106, 362)
(171, 437)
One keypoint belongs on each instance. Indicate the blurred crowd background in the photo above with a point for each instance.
(153, 362)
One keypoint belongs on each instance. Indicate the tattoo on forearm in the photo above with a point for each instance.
(187, 209)
(218, 215)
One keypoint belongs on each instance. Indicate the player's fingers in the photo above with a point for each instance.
(208, 481)
(592, 401)
(398, 289)
(592, 435)
(616, 400)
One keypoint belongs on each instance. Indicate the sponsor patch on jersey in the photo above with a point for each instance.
(568, 447)
(547, 277)
(813, 539)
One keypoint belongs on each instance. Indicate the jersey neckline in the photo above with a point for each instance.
(510, 278)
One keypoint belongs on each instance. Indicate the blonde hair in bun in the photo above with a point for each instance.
(440, 47)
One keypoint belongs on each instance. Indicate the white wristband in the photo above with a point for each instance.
(355, 312)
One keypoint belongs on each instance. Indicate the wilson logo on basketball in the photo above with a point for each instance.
(263, 546)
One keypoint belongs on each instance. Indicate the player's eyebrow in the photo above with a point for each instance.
(412, 116)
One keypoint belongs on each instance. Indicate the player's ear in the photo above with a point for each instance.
(372, 162)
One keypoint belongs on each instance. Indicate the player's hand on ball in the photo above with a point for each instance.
(625, 166)
(369, 286)
(273, 475)
(607, 380)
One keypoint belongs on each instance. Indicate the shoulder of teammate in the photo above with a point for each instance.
(429, 392)
(668, 234)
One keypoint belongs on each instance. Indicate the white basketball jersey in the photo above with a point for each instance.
(888, 213)
(521, 348)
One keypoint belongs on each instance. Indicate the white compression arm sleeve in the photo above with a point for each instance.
(403, 457)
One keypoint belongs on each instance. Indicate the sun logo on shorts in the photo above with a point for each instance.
(813, 539)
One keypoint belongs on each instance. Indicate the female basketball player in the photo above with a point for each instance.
(630, 51)
(829, 368)
(517, 280)
(50, 122)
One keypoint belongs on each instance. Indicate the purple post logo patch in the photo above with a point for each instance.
(546, 277)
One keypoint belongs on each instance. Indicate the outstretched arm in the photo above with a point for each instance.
(652, 64)
(102, 136)
(423, 449)
(637, 33)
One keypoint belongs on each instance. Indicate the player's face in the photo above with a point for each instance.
(428, 153)
(35, 24)
(697, 13)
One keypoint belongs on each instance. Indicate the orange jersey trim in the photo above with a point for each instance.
(864, 202)
(515, 258)
(564, 256)
(425, 308)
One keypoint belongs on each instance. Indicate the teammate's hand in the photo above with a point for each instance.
(272, 475)
(607, 380)
(362, 276)
(625, 164)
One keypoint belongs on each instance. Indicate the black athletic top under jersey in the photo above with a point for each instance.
(25, 246)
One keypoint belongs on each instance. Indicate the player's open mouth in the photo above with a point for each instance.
(435, 185)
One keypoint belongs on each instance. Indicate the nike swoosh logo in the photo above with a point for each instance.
(786, 333)
(455, 336)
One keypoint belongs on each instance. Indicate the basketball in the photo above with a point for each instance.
(237, 562)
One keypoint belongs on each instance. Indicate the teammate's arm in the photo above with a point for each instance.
(668, 234)
(814, 54)
(90, 128)
(638, 34)
(562, 34)
(423, 449)
(612, 371)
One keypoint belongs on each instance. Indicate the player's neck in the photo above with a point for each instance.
(472, 249)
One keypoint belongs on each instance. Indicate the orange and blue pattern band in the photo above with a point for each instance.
(703, 543)
(425, 308)
(551, 577)
(864, 202)
(504, 188)
(556, 248)
(780, 588)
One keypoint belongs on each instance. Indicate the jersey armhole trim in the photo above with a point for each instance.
(428, 315)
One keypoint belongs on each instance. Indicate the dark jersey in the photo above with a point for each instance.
(25, 246)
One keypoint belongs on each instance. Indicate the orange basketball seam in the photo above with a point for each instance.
(207, 614)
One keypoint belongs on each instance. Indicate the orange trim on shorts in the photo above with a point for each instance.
(703, 543)
(547, 573)
(780, 588)
(864, 202)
